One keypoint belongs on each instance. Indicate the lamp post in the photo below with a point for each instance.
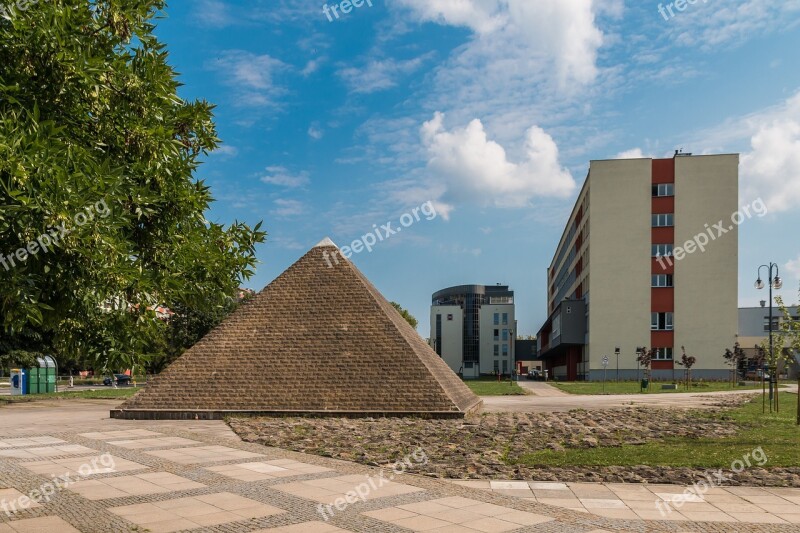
(616, 352)
(511, 357)
(775, 282)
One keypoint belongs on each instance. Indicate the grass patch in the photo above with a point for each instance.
(632, 387)
(777, 434)
(108, 393)
(492, 387)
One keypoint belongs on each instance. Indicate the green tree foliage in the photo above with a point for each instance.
(735, 359)
(687, 361)
(95, 140)
(406, 315)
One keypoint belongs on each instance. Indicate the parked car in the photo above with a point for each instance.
(534, 374)
(755, 375)
(119, 379)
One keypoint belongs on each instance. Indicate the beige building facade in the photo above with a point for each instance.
(651, 249)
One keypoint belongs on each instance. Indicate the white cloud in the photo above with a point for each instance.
(561, 33)
(213, 14)
(315, 132)
(379, 75)
(288, 208)
(227, 150)
(771, 170)
(458, 249)
(474, 168)
(277, 175)
(312, 66)
(709, 25)
(793, 267)
(633, 153)
(251, 75)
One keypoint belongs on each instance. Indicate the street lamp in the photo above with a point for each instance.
(775, 282)
(616, 352)
(511, 356)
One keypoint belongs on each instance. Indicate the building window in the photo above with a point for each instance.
(505, 366)
(497, 334)
(450, 317)
(497, 350)
(663, 354)
(505, 319)
(661, 280)
(663, 220)
(497, 319)
(661, 321)
(496, 366)
(505, 350)
(776, 323)
(662, 250)
(664, 189)
(505, 334)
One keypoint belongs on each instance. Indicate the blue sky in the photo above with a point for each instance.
(491, 111)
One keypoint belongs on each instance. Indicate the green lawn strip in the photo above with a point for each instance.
(631, 387)
(491, 387)
(100, 394)
(777, 434)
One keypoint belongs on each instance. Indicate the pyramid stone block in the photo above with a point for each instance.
(320, 339)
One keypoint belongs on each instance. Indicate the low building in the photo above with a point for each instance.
(473, 329)
(754, 328)
(525, 355)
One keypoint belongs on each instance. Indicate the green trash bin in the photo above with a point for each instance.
(42, 379)
(645, 383)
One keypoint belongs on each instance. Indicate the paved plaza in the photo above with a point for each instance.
(165, 476)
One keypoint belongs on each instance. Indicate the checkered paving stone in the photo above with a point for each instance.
(77, 467)
(47, 451)
(456, 514)
(328, 490)
(193, 512)
(670, 503)
(305, 527)
(30, 441)
(137, 485)
(261, 470)
(122, 434)
(156, 442)
(145, 483)
(10, 501)
(203, 454)
(46, 524)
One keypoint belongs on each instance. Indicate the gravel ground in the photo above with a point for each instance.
(482, 447)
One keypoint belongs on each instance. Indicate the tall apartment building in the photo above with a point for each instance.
(614, 282)
(473, 328)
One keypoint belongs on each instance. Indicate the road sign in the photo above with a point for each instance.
(605, 360)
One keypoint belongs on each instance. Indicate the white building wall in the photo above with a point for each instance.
(620, 261)
(452, 334)
(706, 282)
(488, 342)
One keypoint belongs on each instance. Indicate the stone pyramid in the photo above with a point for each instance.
(320, 339)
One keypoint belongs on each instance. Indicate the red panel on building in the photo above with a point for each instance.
(663, 365)
(664, 170)
(662, 339)
(664, 266)
(665, 235)
(663, 204)
(662, 300)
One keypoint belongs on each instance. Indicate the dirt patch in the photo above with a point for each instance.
(484, 447)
